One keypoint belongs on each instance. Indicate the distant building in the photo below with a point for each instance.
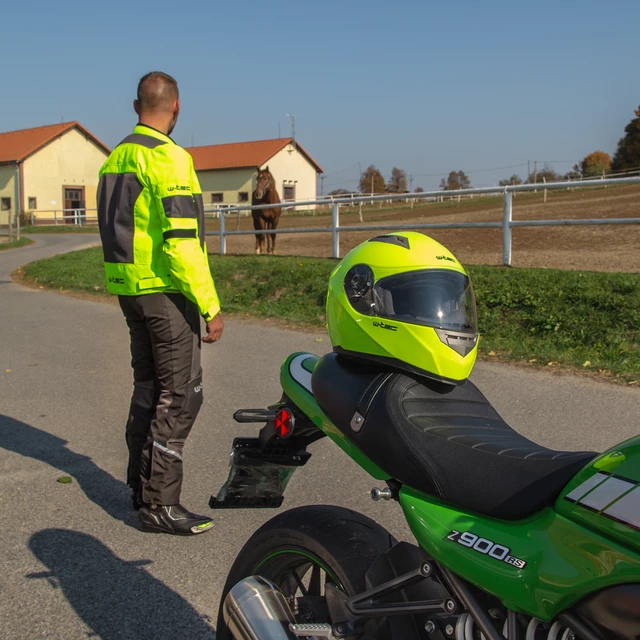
(227, 172)
(49, 169)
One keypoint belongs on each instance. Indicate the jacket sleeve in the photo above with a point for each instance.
(179, 200)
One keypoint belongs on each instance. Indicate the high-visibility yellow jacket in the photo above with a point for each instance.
(151, 219)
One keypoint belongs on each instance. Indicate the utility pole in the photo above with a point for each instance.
(411, 183)
(535, 171)
(293, 129)
(372, 183)
(18, 207)
(322, 185)
(528, 169)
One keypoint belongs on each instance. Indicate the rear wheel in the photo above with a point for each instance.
(304, 549)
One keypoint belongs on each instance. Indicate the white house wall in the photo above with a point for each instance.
(71, 160)
(291, 167)
(7, 189)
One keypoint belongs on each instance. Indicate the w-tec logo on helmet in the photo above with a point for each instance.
(384, 325)
(445, 258)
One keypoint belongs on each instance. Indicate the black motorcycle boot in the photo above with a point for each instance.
(174, 519)
(136, 498)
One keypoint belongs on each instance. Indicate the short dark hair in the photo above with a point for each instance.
(156, 91)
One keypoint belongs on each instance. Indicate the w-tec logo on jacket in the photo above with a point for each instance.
(179, 188)
(198, 388)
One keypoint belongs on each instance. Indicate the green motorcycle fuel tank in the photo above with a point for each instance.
(539, 565)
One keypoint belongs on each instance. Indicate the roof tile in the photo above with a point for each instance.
(241, 154)
(15, 146)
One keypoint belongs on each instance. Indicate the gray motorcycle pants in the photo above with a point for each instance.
(167, 391)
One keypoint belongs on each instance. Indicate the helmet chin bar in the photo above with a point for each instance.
(460, 342)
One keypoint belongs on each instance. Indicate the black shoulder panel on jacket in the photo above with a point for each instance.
(146, 141)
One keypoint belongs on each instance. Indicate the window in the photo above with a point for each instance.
(243, 196)
(5, 204)
(217, 197)
(289, 191)
(33, 203)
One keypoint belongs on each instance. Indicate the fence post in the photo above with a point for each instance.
(506, 229)
(335, 223)
(223, 238)
(55, 218)
(33, 220)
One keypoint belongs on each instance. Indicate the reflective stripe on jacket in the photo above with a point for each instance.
(151, 219)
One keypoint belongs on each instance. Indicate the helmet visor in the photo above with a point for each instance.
(438, 298)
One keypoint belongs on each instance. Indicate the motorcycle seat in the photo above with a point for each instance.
(444, 440)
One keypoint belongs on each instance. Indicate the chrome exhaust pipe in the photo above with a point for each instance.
(255, 609)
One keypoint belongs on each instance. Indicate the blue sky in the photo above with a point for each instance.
(421, 85)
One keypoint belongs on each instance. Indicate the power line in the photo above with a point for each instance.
(337, 184)
(335, 173)
(437, 175)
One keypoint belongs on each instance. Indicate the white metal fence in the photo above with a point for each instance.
(506, 224)
(59, 217)
(81, 217)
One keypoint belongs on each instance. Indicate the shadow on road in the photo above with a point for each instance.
(114, 598)
(99, 486)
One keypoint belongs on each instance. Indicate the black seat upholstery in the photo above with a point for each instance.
(447, 441)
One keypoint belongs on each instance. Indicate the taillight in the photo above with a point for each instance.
(284, 422)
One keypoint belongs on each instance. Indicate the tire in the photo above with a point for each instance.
(308, 541)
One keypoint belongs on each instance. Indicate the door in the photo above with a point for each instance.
(74, 205)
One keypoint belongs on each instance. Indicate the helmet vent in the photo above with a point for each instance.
(462, 343)
(399, 241)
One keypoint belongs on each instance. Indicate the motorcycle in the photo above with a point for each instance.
(526, 544)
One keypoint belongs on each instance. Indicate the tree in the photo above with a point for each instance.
(627, 154)
(371, 181)
(398, 181)
(575, 173)
(514, 179)
(456, 180)
(339, 192)
(419, 190)
(546, 174)
(595, 164)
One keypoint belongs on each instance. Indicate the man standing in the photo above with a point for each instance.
(151, 218)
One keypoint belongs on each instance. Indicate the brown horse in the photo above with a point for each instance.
(265, 193)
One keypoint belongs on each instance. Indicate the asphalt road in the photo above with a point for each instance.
(73, 563)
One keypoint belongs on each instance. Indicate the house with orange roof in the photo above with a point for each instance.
(47, 169)
(227, 172)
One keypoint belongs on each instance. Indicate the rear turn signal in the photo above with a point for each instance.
(284, 422)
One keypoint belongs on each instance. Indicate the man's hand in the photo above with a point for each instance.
(214, 329)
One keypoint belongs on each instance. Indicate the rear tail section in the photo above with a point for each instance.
(261, 466)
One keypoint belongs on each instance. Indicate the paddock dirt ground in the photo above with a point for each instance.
(593, 248)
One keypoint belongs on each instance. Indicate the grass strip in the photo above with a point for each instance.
(584, 320)
(23, 242)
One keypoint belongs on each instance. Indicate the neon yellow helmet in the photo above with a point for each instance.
(404, 300)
